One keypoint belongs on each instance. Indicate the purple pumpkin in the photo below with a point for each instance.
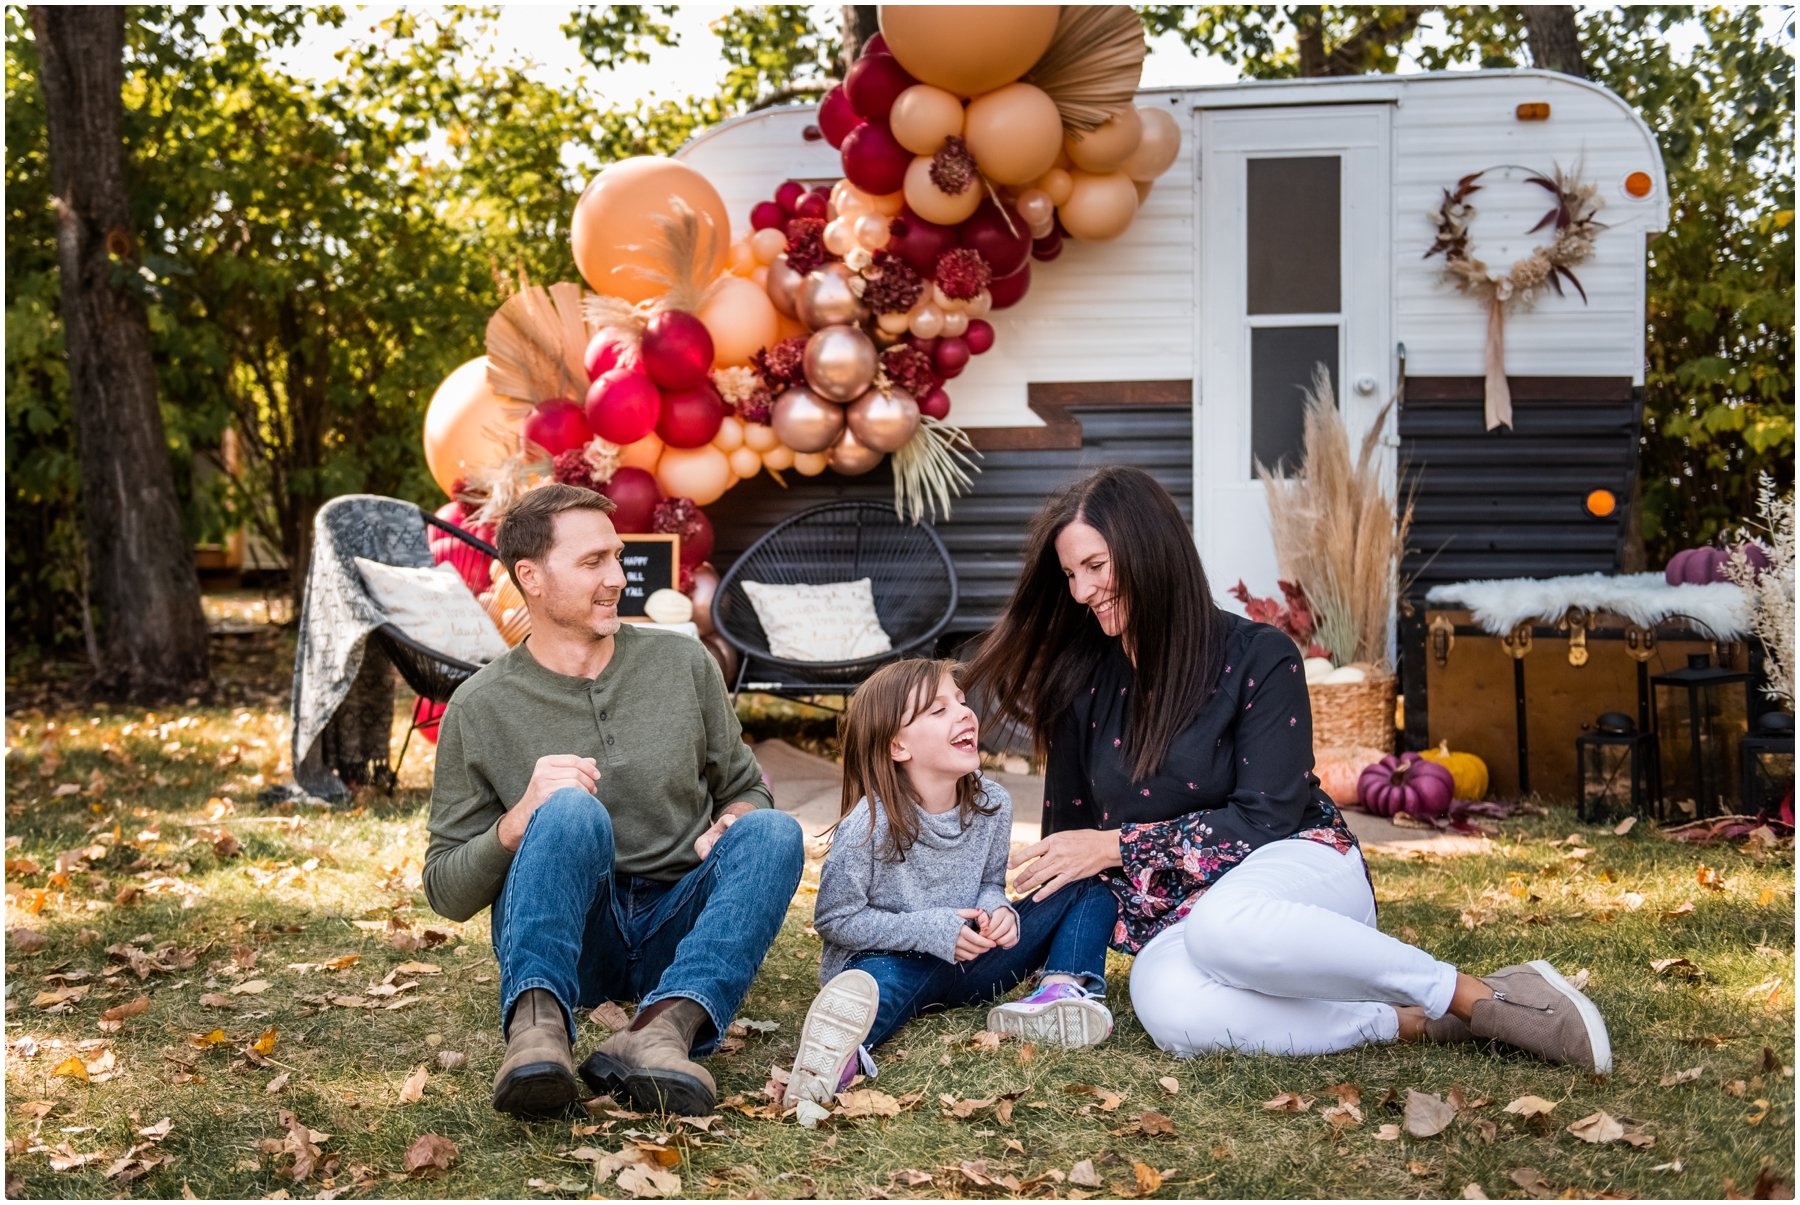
(1407, 783)
(1695, 567)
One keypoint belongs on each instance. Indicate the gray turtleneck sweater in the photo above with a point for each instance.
(868, 903)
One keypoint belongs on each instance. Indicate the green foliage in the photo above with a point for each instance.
(613, 34)
(776, 55)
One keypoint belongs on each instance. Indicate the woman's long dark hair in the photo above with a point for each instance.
(1047, 646)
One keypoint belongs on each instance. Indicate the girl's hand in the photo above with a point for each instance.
(1064, 858)
(971, 944)
(1002, 926)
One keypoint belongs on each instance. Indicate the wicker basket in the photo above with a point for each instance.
(1353, 713)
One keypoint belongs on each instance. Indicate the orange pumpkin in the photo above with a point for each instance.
(1338, 769)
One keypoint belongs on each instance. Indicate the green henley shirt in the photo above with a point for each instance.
(658, 722)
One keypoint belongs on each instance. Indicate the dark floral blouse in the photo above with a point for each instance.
(1237, 778)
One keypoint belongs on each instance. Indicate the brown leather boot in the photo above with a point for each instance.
(648, 1063)
(537, 1078)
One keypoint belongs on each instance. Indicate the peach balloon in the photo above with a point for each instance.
(968, 49)
(840, 237)
(744, 462)
(731, 434)
(614, 228)
(458, 421)
(1143, 189)
(1157, 149)
(765, 245)
(810, 464)
(643, 454)
(1057, 184)
(743, 262)
(760, 437)
(934, 204)
(888, 204)
(1014, 133)
(923, 116)
(872, 231)
(780, 457)
(702, 473)
(787, 328)
(740, 318)
(1105, 149)
(1100, 207)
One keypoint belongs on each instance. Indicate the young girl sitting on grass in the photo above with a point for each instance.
(912, 899)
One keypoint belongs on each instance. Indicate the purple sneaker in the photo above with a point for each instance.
(1060, 1013)
(840, 1018)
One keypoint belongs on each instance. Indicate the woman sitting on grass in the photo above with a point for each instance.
(1179, 744)
(912, 898)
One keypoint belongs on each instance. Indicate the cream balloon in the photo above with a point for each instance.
(810, 464)
(745, 462)
(851, 457)
(927, 321)
(956, 322)
(643, 454)
(893, 323)
(1036, 207)
(923, 116)
(1100, 207)
(839, 237)
(872, 231)
(934, 204)
(731, 434)
(760, 437)
(457, 424)
(1104, 149)
(1014, 133)
(1157, 149)
(979, 305)
(760, 278)
(804, 421)
(883, 422)
(969, 48)
(825, 298)
(1056, 184)
(945, 302)
(783, 285)
(780, 458)
(740, 318)
(765, 245)
(703, 474)
(614, 233)
(840, 363)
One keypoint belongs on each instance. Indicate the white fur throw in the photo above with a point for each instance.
(1644, 598)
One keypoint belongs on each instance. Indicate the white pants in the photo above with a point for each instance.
(1282, 956)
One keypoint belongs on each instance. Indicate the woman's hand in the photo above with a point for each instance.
(1064, 858)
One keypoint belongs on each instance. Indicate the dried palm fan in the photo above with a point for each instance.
(931, 467)
(682, 257)
(535, 344)
(488, 490)
(1093, 65)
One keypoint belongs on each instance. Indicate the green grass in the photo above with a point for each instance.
(303, 878)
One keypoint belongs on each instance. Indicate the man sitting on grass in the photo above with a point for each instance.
(593, 787)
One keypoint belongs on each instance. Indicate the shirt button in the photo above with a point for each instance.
(609, 740)
(603, 715)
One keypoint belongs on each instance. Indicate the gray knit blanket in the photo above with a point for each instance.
(343, 685)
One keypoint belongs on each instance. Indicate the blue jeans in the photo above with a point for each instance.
(1063, 935)
(565, 922)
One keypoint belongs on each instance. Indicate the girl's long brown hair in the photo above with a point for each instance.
(1047, 646)
(878, 710)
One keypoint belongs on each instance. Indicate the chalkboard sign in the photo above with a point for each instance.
(650, 565)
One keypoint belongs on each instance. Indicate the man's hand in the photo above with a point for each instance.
(705, 841)
(971, 944)
(1001, 926)
(1064, 858)
(550, 775)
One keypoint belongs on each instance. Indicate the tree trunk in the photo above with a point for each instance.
(1309, 39)
(153, 634)
(1555, 42)
(861, 22)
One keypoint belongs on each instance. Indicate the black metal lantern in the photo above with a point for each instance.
(1700, 722)
(1768, 766)
(1618, 770)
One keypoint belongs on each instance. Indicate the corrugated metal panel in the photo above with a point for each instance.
(986, 531)
(1512, 504)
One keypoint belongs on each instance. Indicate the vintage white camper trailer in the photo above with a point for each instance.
(1293, 231)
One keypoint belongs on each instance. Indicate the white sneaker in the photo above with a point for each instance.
(840, 1018)
(1062, 1014)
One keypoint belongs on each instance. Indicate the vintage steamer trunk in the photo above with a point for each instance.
(1291, 232)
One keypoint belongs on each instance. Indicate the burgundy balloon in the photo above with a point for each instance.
(677, 350)
(986, 231)
(635, 493)
(556, 426)
(602, 355)
(767, 215)
(874, 83)
(951, 356)
(1047, 248)
(622, 406)
(788, 195)
(1008, 289)
(919, 242)
(935, 404)
(874, 159)
(979, 336)
(697, 547)
(836, 117)
(812, 205)
(876, 45)
(925, 345)
(691, 417)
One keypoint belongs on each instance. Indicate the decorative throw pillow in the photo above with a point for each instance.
(434, 607)
(833, 622)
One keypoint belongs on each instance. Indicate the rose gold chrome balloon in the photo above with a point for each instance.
(883, 422)
(783, 283)
(840, 363)
(849, 457)
(806, 422)
(824, 298)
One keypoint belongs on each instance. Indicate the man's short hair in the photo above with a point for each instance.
(528, 528)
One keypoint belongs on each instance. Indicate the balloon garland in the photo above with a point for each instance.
(973, 139)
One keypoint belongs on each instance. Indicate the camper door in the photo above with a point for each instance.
(1295, 277)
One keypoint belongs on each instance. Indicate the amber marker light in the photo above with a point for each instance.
(1534, 110)
(1639, 184)
(1601, 503)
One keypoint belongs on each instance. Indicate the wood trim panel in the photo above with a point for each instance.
(1524, 389)
(1052, 401)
